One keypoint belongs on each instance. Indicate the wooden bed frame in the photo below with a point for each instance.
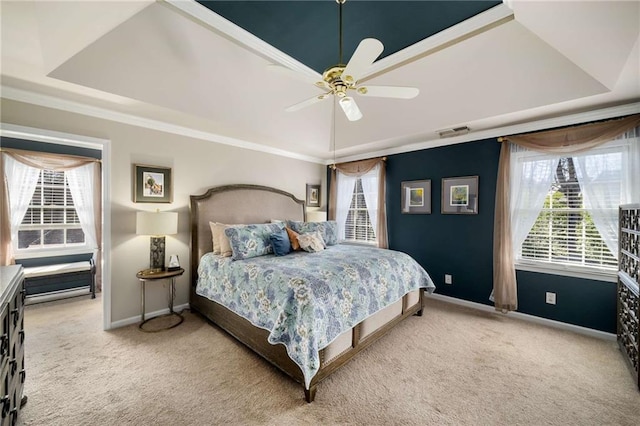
(245, 204)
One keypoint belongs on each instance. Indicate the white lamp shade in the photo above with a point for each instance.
(156, 223)
(316, 216)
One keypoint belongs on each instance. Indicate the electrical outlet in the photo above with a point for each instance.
(551, 298)
(448, 279)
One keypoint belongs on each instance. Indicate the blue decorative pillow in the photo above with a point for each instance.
(328, 230)
(251, 240)
(280, 243)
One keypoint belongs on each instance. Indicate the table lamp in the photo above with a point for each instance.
(157, 224)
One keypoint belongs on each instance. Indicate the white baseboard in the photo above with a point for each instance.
(526, 317)
(138, 318)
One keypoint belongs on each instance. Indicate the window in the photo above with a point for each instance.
(564, 210)
(358, 197)
(51, 220)
(358, 225)
(564, 232)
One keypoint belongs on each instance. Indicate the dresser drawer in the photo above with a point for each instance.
(5, 396)
(4, 334)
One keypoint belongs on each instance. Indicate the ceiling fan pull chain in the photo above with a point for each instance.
(340, 2)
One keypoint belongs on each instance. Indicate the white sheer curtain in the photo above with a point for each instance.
(345, 186)
(82, 189)
(370, 185)
(532, 174)
(609, 175)
(21, 184)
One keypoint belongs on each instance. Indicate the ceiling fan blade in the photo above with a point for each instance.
(350, 108)
(366, 52)
(388, 91)
(318, 82)
(310, 101)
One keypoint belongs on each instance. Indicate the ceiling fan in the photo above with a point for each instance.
(339, 80)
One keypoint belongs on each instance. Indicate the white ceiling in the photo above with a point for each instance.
(178, 65)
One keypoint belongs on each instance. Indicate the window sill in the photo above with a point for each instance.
(358, 243)
(568, 271)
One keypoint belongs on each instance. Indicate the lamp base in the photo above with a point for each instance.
(156, 256)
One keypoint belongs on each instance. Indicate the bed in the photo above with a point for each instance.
(324, 291)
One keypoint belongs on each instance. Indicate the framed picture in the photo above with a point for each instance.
(416, 197)
(151, 184)
(313, 195)
(460, 195)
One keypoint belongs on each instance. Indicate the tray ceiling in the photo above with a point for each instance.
(308, 30)
(204, 71)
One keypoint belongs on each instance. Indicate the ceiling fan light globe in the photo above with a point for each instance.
(350, 109)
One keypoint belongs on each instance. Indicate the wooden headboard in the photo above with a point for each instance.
(237, 204)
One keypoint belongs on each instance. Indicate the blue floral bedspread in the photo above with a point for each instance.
(306, 300)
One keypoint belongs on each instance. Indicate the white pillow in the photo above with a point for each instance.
(221, 244)
(214, 238)
(311, 242)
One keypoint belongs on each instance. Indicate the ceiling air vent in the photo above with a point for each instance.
(456, 131)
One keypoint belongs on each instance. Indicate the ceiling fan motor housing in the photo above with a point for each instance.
(333, 77)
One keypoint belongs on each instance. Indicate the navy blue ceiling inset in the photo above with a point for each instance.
(308, 30)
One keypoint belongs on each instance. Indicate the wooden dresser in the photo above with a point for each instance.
(11, 342)
(628, 287)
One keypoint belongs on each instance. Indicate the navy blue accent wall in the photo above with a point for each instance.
(52, 148)
(462, 245)
(579, 301)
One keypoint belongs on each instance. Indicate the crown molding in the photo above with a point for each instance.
(50, 136)
(134, 120)
(531, 126)
(426, 143)
(471, 27)
(480, 23)
(229, 30)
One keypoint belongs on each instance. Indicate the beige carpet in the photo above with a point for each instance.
(453, 366)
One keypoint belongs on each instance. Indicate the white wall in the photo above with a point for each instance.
(196, 165)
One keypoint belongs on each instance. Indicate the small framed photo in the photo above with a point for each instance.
(151, 184)
(313, 195)
(416, 197)
(460, 195)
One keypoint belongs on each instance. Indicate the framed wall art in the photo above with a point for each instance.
(416, 197)
(313, 195)
(460, 195)
(152, 184)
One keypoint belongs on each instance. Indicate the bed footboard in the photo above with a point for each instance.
(341, 351)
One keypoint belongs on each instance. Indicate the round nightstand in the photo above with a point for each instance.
(150, 275)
